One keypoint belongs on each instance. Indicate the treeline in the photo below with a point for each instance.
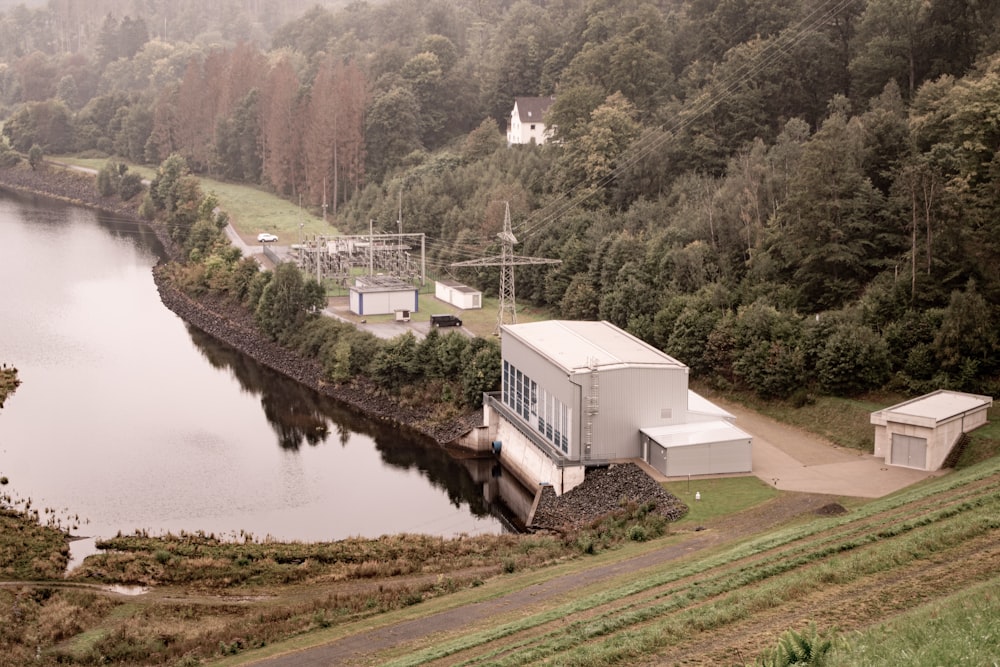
(790, 196)
(444, 375)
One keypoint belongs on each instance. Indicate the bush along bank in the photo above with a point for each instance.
(433, 386)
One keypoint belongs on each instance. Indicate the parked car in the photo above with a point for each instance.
(265, 237)
(445, 321)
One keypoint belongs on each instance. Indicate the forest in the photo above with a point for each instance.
(791, 197)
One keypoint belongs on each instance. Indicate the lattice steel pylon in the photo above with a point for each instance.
(506, 261)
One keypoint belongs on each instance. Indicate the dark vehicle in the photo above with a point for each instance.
(445, 321)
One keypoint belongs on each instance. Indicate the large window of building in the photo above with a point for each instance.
(541, 410)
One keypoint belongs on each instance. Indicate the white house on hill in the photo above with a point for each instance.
(577, 394)
(527, 120)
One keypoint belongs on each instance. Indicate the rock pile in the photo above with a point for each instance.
(603, 491)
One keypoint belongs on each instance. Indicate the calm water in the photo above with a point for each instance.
(131, 420)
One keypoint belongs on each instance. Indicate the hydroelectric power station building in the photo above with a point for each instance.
(578, 394)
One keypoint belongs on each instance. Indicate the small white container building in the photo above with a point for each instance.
(577, 394)
(458, 295)
(382, 295)
(921, 432)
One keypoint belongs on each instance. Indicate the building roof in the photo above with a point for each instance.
(576, 346)
(458, 287)
(532, 109)
(380, 284)
(938, 406)
(695, 433)
(702, 406)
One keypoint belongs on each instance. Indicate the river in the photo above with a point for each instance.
(128, 419)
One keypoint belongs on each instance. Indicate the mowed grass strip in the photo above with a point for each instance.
(963, 629)
(744, 577)
(736, 597)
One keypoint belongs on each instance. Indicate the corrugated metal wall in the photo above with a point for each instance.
(628, 399)
(634, 398)
(715, 458)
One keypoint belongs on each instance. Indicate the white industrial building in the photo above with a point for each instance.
(921, 432)
(458, 295)
(577, 394)
(382, 295)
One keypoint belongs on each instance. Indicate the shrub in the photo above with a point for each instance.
(130, 186)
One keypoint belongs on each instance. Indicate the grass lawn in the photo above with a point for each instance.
(719, 497)
(481, 322)
(251, 209)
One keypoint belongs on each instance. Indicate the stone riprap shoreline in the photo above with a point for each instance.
(601, 492)
(223, 320)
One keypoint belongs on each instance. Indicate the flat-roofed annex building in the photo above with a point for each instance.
(921, 432)
(577, 394)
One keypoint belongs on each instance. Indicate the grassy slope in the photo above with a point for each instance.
(849, 573)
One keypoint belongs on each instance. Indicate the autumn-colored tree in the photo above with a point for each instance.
(333, 140)
(281, 139)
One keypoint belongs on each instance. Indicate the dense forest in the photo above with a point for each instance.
(790, 196)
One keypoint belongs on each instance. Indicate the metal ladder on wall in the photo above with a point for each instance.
(593, 407)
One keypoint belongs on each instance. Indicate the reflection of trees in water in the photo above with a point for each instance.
(298, 414)
(436, 465)
(135, 232)
(293, 411)
(44, 212)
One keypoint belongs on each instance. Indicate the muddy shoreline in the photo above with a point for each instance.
(225, 321)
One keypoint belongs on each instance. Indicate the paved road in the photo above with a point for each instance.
(792, 459)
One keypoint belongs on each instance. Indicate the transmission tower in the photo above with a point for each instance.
(507, 260)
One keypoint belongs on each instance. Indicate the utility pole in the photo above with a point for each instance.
(324, 199)
(507, 260)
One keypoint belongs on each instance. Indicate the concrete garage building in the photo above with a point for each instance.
(921, 432)
(577, 394)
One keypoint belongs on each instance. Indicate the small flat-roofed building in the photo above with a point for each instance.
(697, 448)
(458, 295)
(921, 432)
(577, 394)
(382, 295)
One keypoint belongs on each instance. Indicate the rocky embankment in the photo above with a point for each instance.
(234, 326)
(601, 492)
(222, 319)
(604, 490)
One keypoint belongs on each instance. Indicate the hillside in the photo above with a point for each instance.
(726, 594)
(793, 198)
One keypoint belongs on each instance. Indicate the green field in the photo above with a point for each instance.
(252, 210)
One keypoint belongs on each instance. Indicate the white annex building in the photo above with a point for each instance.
(577, 394)
(458, 295)
(921, 432)
(526, 124)
(382, 295)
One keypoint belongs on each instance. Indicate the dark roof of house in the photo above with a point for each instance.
(531, 109)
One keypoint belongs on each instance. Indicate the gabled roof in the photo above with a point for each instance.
(532, 109)
(577, 345)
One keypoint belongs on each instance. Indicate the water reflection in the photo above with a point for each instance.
(294, 412)
(300, 416)
(122, 422)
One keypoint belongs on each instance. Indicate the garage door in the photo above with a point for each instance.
(909, 451)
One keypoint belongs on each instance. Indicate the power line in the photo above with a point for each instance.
(507, 313)
(536, 222)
